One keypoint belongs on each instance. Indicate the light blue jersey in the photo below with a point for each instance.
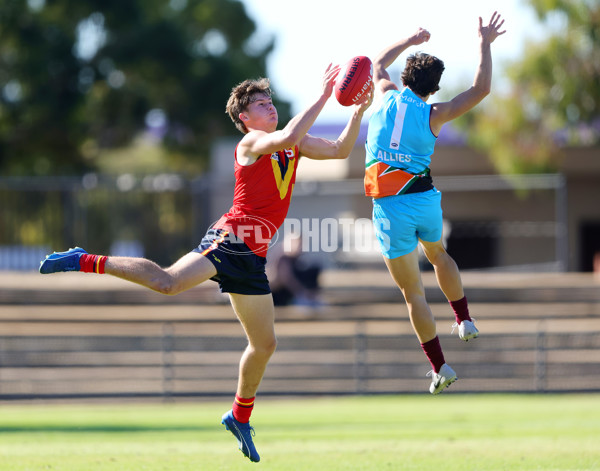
(399, 133)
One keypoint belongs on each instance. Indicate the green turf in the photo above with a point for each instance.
(447, 432)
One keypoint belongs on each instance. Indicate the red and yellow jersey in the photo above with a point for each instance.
(261, 199)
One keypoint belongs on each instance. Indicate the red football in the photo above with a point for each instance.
(354, 81)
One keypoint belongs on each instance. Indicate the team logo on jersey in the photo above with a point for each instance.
(289, 154)
(283, 170)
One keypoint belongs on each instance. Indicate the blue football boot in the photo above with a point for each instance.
(62, 261)
(243, 433)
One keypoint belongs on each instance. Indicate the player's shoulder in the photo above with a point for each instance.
(385, 88)
(243, 152)
(250, 142)
(252, 136)
(440, 108)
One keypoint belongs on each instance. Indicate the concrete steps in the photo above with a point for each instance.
(340, 287)
(76, 336)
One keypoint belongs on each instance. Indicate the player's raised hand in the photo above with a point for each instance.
(365, 101)
(329, 79)
(420, 36)
(490, 32)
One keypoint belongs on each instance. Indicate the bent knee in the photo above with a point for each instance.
(437, 254)
(415, 298)
(266, 347)
(271, 346)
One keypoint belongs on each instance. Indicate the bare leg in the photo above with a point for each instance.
(257, 315)
(189, 271)
(446, 271)
(405, 272)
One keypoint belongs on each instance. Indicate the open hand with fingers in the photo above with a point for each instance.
(329, 79)
(365, 101)
(490, 32)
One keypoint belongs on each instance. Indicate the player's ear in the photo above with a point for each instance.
(243, 117)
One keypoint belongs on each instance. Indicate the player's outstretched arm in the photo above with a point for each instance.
(259, 142)
(318, 148)
(388, 56)
(443, 112)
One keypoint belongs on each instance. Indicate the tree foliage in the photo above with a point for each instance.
(78, 76)
(554, 94)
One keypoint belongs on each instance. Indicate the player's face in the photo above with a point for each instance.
(261, 113)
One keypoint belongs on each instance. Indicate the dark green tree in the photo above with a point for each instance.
(77, 77)
(554, 95)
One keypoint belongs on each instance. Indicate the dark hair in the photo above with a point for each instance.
(242, 95)
(422, 73)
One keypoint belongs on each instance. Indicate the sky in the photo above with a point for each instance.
(312, 33)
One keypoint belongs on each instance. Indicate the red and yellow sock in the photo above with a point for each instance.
(242, 408)
(90, 263)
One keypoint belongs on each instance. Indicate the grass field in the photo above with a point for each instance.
(449, 432)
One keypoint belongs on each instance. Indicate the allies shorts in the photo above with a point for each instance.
(401, 220)
(239, 270)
